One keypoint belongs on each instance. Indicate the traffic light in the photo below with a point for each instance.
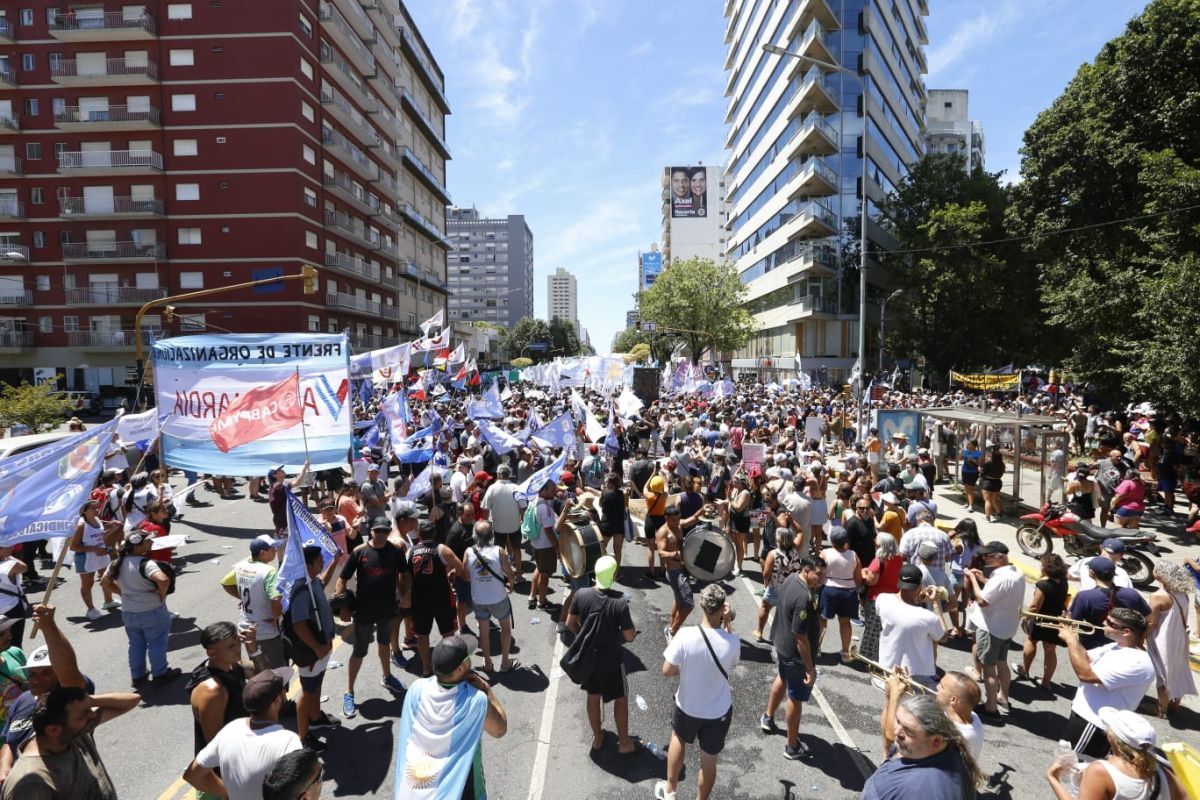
(169, 311)
(309, 273)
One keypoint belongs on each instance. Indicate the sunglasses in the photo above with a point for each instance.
(862, 508)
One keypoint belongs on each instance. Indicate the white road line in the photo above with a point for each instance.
(542, 758)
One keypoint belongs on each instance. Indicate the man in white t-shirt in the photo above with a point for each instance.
(504, 512)
(246, 749)
(703, 656)
(908, 629)
(462, 480)
(996, 616)
(1115, 675)
(545, 547)
(1114, 551)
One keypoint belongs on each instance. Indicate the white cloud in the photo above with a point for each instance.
(971, 35)
(465, 17)
(640, 49)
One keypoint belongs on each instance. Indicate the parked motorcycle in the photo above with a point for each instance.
(1082, 539)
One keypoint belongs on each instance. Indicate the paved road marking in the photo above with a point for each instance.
(542, 758)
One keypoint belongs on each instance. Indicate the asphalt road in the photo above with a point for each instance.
(545, 755)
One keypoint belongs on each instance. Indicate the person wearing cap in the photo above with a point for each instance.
(795, 635)
(702, 657)
(309, 627)
(892, 519)
(478, 490)
(909, 631)
(143, 586)
(504, 512)
(608, 610)
(1092, 604)
(592, 468)
(996, 616)
(1131, 771)
(843, 576)
(246, 749)
(252, 583)
(61, 760)
(545, 546)
(374, 494)
(442, 724)
(433, 566)
(277, 496)
(1116, 674)
(1114, 550)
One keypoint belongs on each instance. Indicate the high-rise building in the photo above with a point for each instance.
(949, 129)
(799, 131)
(491, 267)
(693, 213)
(148, 150)
(562, 297)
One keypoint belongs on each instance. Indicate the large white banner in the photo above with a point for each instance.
(198, 378)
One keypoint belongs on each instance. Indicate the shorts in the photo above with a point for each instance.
(362, 635)
(610, 684)
(990, 649)
(651, 525)
(81, 563)
(1086, 738)
(837, 602)
(678, 579)
(793, 674)
(818, 512)
(545, 559)
(771, 597)
(1167, 483)
(991, 484)
(497, 611)
(446, 617)
(272, 650)
(740, 523)
(312, 676)
(508, 540)
(970, 478)
(710, 732)
(462, 590)
(1128, 513)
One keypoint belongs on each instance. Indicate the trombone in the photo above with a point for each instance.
(1081, 626)
(880, 671)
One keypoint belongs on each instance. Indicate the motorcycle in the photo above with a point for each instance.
(1082, 539)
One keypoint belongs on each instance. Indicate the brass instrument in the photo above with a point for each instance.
(880, 671)
(1081, 626)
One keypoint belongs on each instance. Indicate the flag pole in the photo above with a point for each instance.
(303, 426)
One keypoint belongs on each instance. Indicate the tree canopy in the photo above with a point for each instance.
(36, 406)
(700, 301)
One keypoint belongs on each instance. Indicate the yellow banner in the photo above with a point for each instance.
(985, 382)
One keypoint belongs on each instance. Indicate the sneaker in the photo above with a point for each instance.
(398, 660)
(737, 573)
(349, 709)
(314, 744)
(93, 614)
(767, 724)
(168, 674)
(138, 683)
(393, 684)
(111, 605)
(667, 633)
(661, 793)
(322, 722)
(795, 753)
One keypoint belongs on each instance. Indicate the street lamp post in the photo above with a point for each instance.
(862, 255)
(883, 308)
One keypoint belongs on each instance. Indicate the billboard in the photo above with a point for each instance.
(689, 191)
(651, 269)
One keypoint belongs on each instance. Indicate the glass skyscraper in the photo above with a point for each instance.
(796, 137)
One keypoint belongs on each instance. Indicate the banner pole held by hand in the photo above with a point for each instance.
(62, 556)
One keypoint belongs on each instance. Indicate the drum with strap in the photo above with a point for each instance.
(581, 546)
(708, 553)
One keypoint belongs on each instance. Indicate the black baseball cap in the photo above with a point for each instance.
(449, 654)
(994, 548)
(910, 576)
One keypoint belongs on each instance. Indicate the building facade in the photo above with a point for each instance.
(693, 213)
(148, 150)
(491, 267)
(949, 128)
(562, 298)
(799, 131)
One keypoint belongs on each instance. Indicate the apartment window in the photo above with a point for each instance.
(39, 239)
(45, 324)
(187, 191)
(58, 105)
(28, 62)
(189, 236)
(184, 147)
(71, 323)
(26, 16)
(306, 68)
(33, 151)
(310, 239)
(65, 237)
(61, 147)
(31, 107)
(305, 26)
(179, 11)
(307, 112)
(183, 102)
(55, 60)
(309, 154)
(182, 58)
(42, 283)
(35, 195)
(191, 280)
(310, 198)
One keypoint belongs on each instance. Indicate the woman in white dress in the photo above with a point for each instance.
(90, 550)
(1168, 639)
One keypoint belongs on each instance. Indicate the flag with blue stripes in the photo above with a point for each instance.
(303, 530)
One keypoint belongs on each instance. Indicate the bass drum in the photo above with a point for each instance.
(580, 548)
(708, 553)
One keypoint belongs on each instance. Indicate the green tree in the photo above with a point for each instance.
(526, 331)
(36, 406)
(660, 343)
(521, 362)
(1105, 173)
(699, 301)
(563, 338)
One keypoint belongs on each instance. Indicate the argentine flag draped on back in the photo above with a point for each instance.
(436, 741)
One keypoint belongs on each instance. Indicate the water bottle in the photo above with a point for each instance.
(1070, 771)
(335, 665)
(641, 703)
(534, 620)
(655, 750)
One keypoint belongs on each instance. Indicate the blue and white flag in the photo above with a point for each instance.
(612, 445)
(553, 471)
(395, 411)
(41, 491)
(560, 432)
(366, 392)
(421, 485)
(375, 432)
(489, 406)
(501, 440)
(303, 530)
(437, 740)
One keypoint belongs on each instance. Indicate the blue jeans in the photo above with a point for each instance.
(147, 631)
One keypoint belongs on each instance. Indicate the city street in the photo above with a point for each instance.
(545, 753)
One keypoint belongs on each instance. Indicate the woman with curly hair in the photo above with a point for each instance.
(1167, 640)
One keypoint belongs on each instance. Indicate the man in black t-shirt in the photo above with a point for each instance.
(434, 600)
(795, 635)
(861, 530)
(461, 536)
(383, 578)
(640, 472)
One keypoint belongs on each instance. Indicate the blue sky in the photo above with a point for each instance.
(567, 111)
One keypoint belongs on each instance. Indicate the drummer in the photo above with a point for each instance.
(669, 542)
(562, 529)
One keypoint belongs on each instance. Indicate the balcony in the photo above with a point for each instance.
(110, 207)
(358, 18)
(814, 179)
(807, 259)
(340, 184)
(108, 162)
(426, 125)
(349, 153)
(350, 116)
(8, 76)
(350, 302)
(116, 72)
(107, 340)
(351, 228)
(426, 175)
(348, 77)
(820, 11)
(7, 34)
(18, 298)
(108, 294)
(425, 226)
(809, 304)
(433, 81)
(113, 118)
(816, 137)
(812, 94)
(113, 251)
(109, 26)
(11, 208)
(816, 42)
(10, 122)
(387, 56)
(424, 278)
(11, 341)
(812, 220)
(385, 179)
(350, 265)
(368, 341)
(10, 165)
(13, 253)
(334, 24)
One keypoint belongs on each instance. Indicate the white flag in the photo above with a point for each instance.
(438, 320)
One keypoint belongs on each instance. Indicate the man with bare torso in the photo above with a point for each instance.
(668, 540)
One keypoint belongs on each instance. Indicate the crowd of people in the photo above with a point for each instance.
(840, 528)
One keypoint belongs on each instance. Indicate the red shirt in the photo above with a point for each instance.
(889, 576)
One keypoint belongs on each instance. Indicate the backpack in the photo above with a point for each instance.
(579, 661)
(530, 529)
(296, 650)
(167, 569)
